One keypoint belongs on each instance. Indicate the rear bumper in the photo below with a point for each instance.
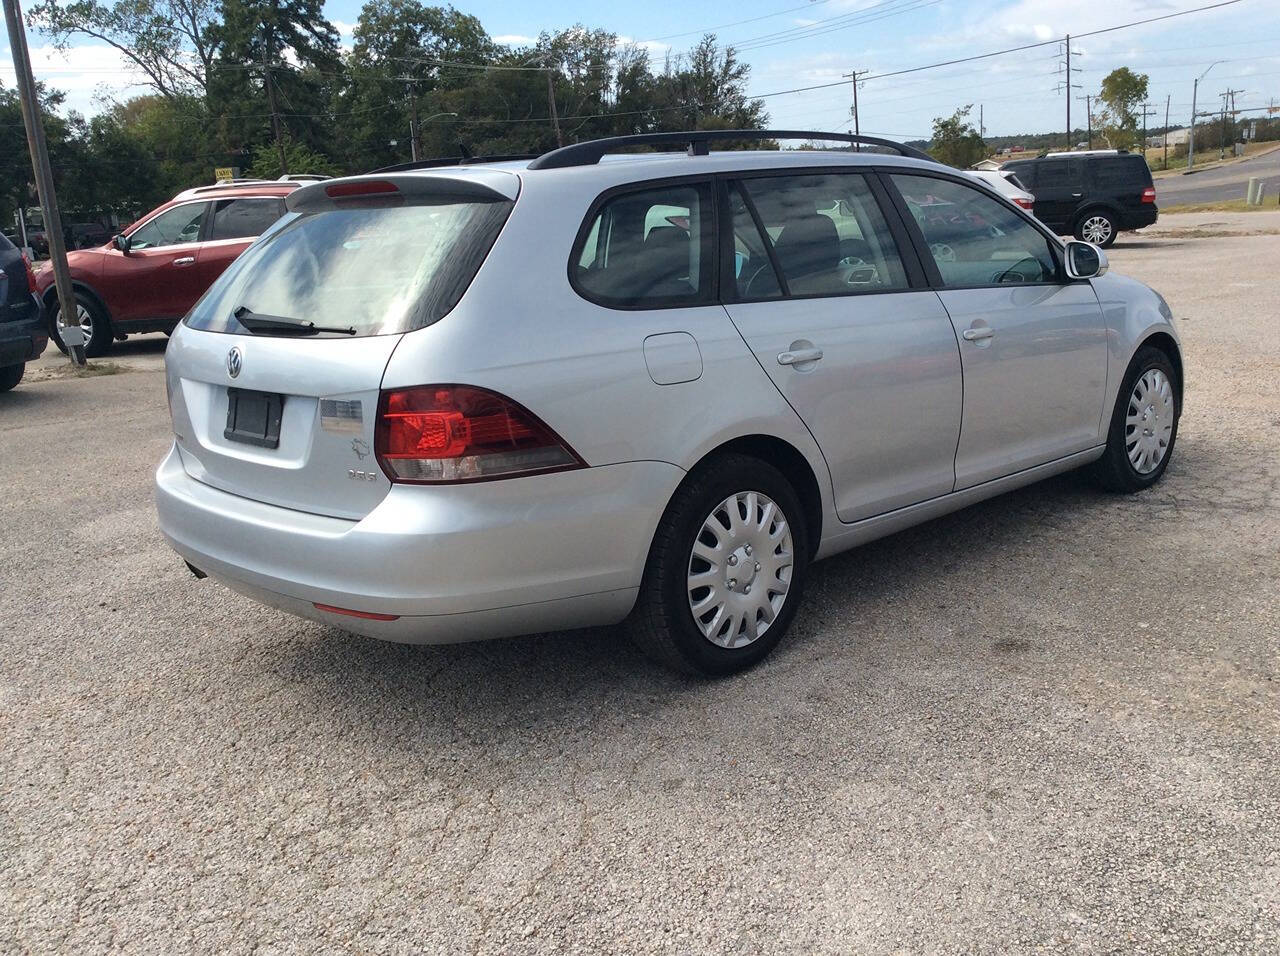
(1144, 215)
(24, 339)
(452, 563)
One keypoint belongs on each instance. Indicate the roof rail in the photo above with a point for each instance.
(441, 161)
(697, 143)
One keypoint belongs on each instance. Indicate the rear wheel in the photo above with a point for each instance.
(11, 375)
(93, 323)
(1098, 227)
(726, 569)
(1144, 425)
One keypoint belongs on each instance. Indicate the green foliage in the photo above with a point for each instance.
(239, 82)
(1117, 118)
(956, 141)
(301, 159)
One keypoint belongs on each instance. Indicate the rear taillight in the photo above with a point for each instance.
(1149, 194)
(31, 276)
(359, 188)
(1024, 203)
(448, 433)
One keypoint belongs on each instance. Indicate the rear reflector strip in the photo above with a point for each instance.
(366, 615)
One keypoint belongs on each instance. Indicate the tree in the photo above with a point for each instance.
(168, 40)
(1116, 120)
(956, 141)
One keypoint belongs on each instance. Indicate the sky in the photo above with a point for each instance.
(805, 43)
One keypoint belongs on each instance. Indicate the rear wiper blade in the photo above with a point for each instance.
(277, 323)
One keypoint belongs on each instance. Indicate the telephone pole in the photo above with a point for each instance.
(1088, 110)
(1167, 102)
(1145, 114)
(271, 104)
(71, 333)
(1231, 95)
(551, 101)
(857, 127)
(415, 128)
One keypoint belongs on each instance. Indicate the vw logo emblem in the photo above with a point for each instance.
(235, 360)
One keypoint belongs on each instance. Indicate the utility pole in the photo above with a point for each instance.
(1067, 86)
(415, 128)
(1088, 110)
(1230, 94)
(71, 333)
(982, 122)
(1191, 133)
(857, 123)
(551, 100)
(271, 103)
(1167, 102)
(1145, 114)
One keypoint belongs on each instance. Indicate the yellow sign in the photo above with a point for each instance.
(223, 173)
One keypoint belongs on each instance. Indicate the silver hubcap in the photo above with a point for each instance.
(1148, 426)
(740, 569)
(1096, 229)
(83, 319)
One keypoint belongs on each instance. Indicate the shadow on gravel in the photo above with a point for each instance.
(517, 688)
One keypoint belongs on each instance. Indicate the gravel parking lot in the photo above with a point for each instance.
(1050, 721)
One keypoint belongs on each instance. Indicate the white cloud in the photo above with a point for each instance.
(87, 75)
(514, 39)
(344, 28)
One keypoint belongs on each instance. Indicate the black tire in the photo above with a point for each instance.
(1112, 227)
(11, 375)
(662, 623)
(99, 343)
(1114, 471)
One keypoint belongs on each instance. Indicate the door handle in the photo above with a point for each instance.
(185, 261)
(976, 334)
(799, 356)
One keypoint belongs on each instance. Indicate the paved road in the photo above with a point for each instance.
(1223, 182)
(1049, 722)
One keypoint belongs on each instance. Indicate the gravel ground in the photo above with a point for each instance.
(1051, 721)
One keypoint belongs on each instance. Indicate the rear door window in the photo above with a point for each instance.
(824, 232)
(1053, 172)
(1120, 171)
(649, 248)
(172, 227)
(244, 218)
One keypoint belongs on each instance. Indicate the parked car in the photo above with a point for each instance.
(22, 328)
(146, 279)
(1094, 196)
(456, 403)
(86, 235)
(1006, 184)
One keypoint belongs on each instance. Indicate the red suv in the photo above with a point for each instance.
(146, 279)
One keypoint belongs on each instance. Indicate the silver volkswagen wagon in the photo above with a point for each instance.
(449, 403)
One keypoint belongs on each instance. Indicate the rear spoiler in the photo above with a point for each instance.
(454, 185)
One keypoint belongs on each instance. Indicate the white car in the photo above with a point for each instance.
(1007, 185)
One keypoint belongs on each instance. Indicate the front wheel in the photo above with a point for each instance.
(93, 323)
(1144, 425)
(725, 571)
(1097, 227)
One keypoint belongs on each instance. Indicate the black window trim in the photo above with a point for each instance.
(922, 246)
(709, 265)
(206, 228)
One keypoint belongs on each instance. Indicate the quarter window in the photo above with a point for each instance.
(649, 248)
(173, 226)
(244, 218)
(826, 233)
(976, 240)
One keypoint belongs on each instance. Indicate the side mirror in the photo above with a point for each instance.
(1085, 260)
(122, 243)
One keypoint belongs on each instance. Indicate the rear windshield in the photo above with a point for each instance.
(377, 269)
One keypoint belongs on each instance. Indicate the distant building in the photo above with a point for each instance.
(1177, 137)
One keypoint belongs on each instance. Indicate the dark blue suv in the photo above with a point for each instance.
(23, 333)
